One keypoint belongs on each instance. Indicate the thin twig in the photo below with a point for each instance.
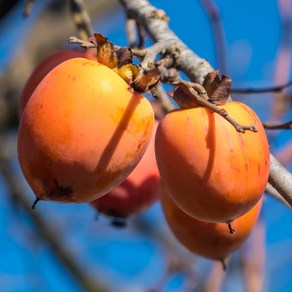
(166, 104)
(152, 52)
(189, 94)
(83, 43)
(81, 18)
(27, 7)
(131, 32)
(282, 70)
(283, 60)
(278, 88)
(135, 34)
(218, 32)
(282, 126)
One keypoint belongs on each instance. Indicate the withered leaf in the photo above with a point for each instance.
(98, 39)
(211, 82)
(184, 95)
(125, 56)
(106, 54)
(218, 89)
(146, 79)
(221, 93)
(119, 59)
(128, 72)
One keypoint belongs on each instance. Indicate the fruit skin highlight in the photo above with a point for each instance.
(137, 192)
(210, 240)
(82, 132)
(211, 171)
(44, 67)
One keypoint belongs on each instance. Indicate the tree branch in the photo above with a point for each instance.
(156, 25)
(196, 69)
(280, 179)
(81, 18)
(218, 32)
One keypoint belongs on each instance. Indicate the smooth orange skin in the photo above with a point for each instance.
(82, 132)
(210, 240)
(213, 172)
(138, 192)
(44, 67)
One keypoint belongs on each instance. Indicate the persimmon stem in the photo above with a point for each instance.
(231, 230)
(119, 222)
(224, 266)
(35, 203)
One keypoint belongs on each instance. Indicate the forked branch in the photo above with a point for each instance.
(196, 69)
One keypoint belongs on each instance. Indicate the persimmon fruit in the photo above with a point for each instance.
(82, 132)
(137, 193)
(44, 67)
(210, 240)
(212, 172)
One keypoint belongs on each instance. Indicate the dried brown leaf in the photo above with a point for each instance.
(185, 95)
(221, 93)
(146, 79)
(218, 89)
(128, 72)
(211, 82)
(98, 39)
(125, 56)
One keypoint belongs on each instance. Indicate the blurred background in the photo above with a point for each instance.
(66, 247)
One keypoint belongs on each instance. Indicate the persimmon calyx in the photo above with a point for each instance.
(190, 95)
(120, 60)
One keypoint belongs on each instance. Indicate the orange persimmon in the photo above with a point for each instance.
(210, 240)
(212, 172)
(82, 132)
(44, 67)
(136, 193)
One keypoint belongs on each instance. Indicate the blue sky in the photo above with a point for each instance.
(127, 258)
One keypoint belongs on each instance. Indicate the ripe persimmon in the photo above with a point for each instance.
(44, 67)
(210, 240)
(136, 193)
(212, 172)
(82, 132)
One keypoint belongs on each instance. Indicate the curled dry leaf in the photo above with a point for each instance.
(120, 59)
(218, 88)
(192, 95)
(146, 79)
(214, 90)
(188, 94)
(106, 54)
(128, 72)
